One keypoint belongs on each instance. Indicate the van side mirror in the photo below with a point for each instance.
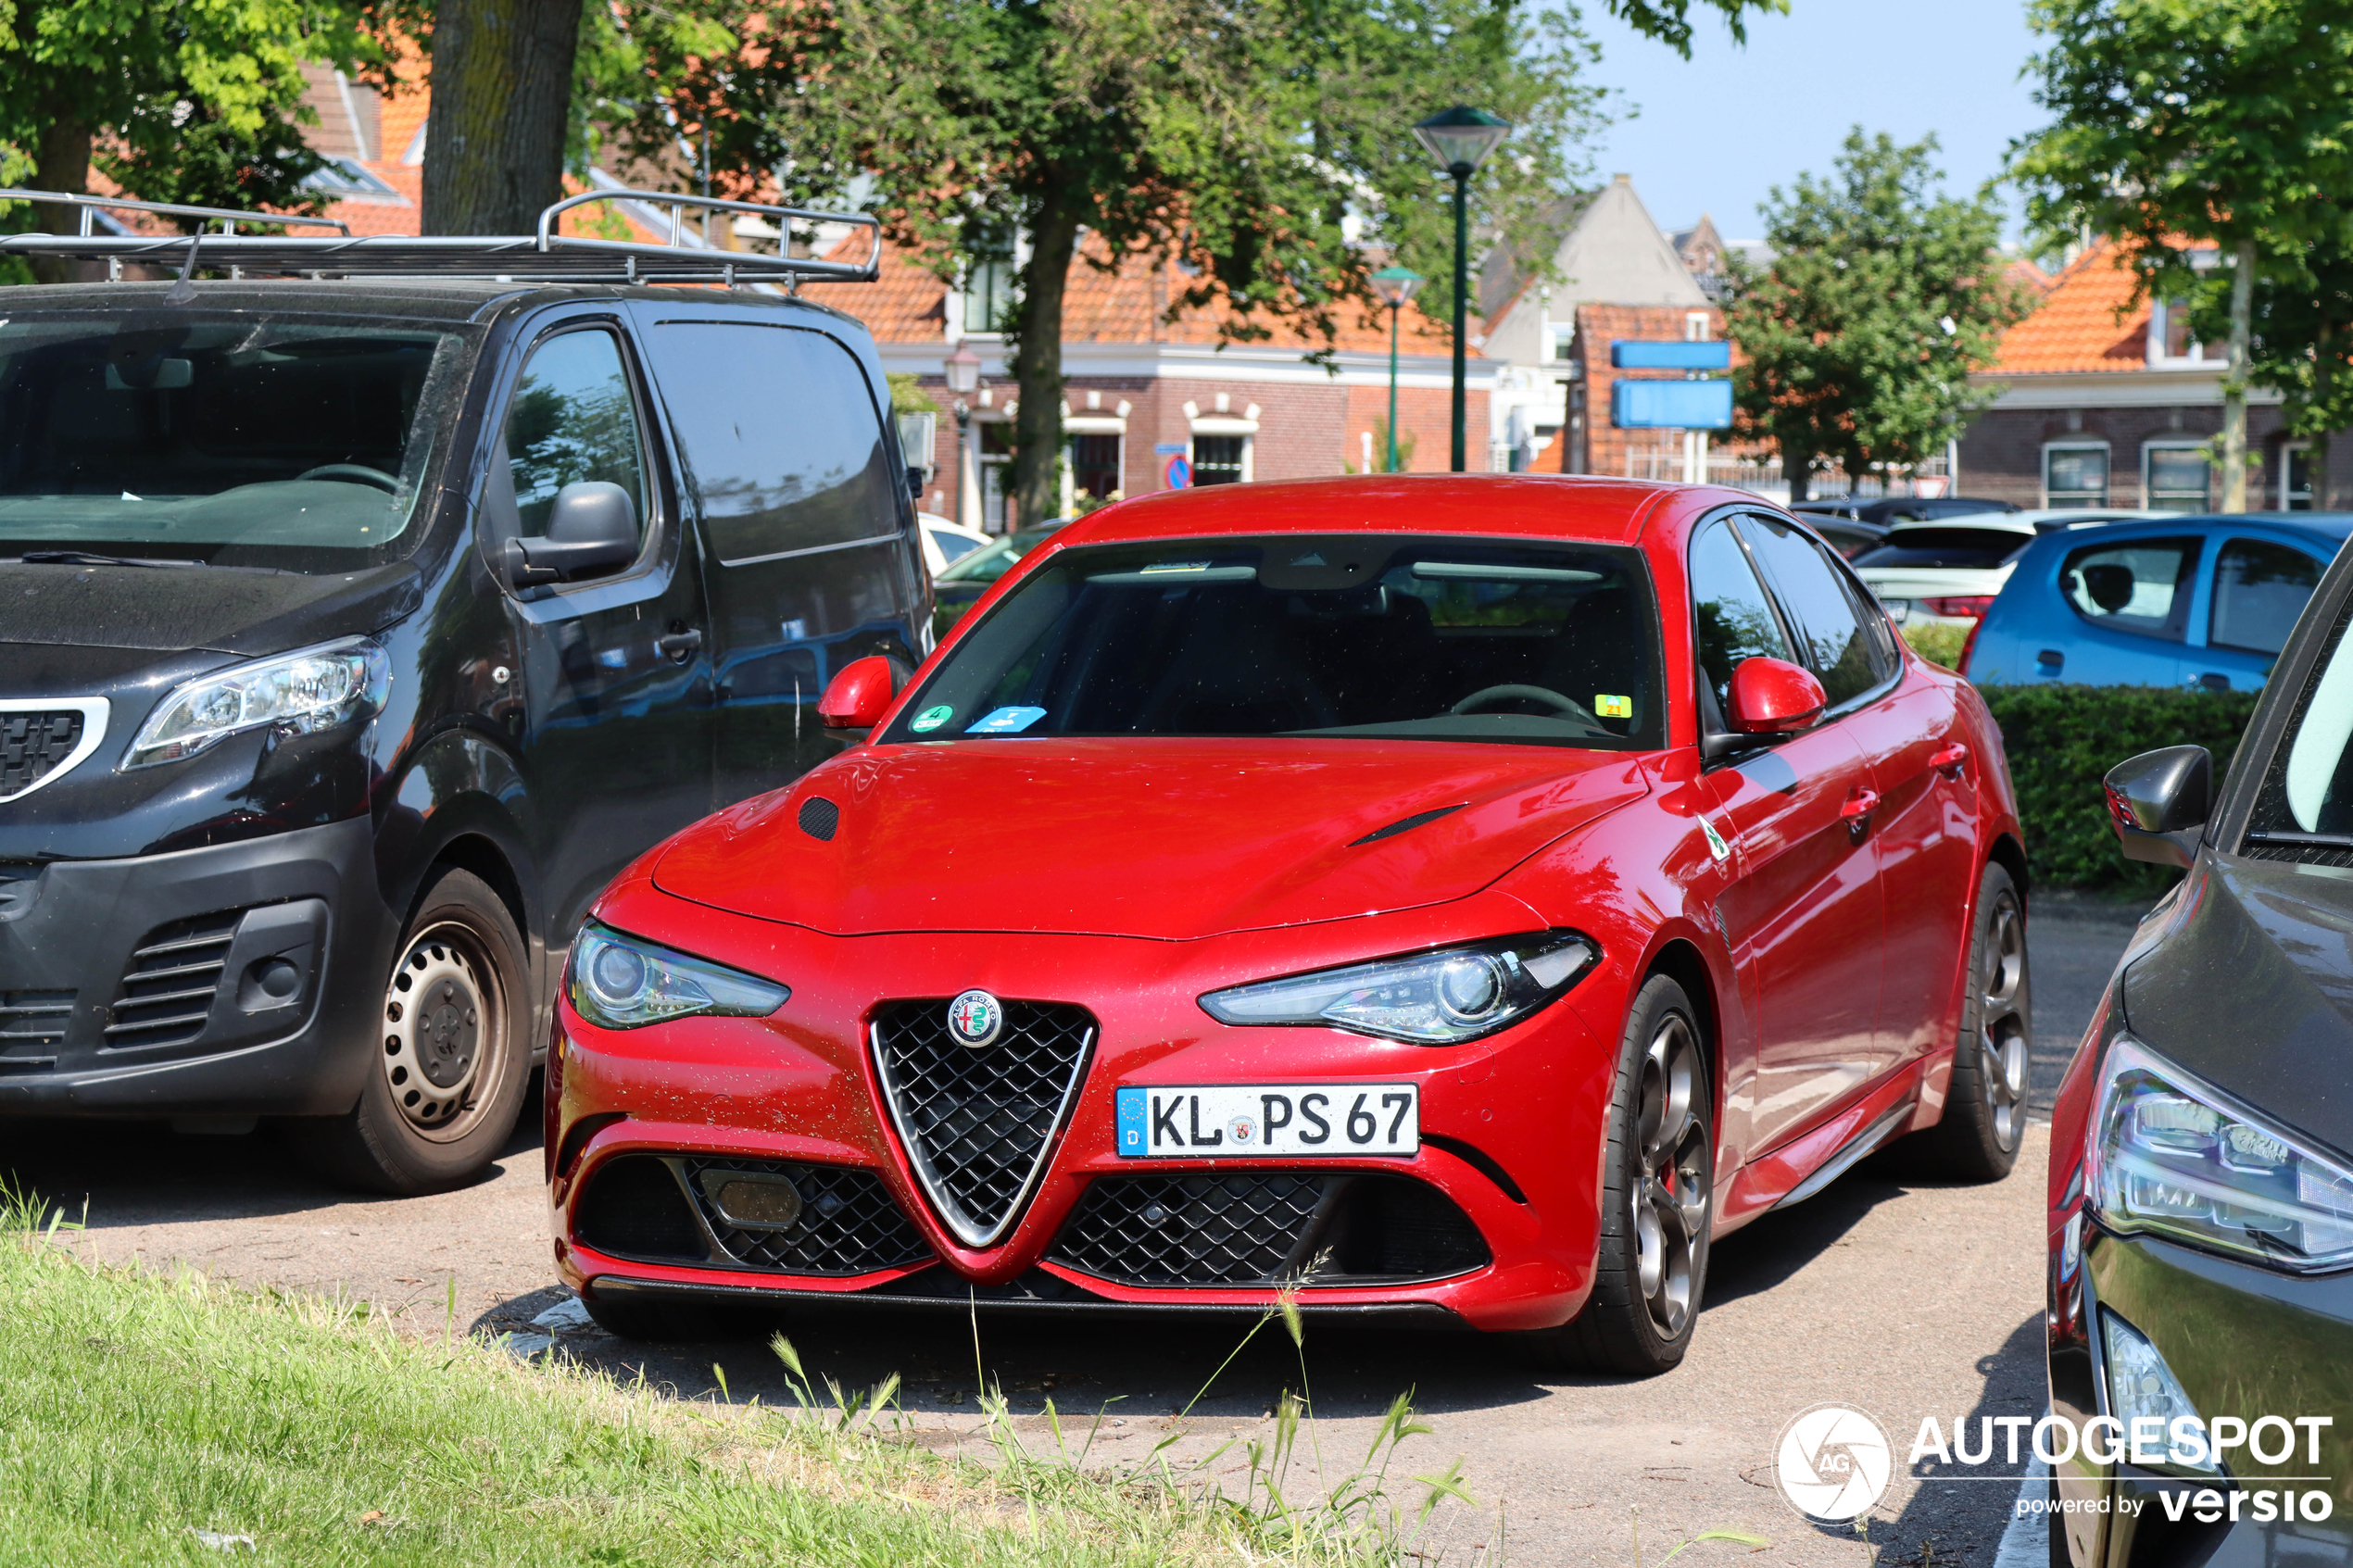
(591, 530)
(2160, 801)
(859, 695)
(1772, 697)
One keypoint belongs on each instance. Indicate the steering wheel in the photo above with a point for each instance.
(1544, 694)
(354, 473)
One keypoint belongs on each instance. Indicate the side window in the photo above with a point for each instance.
(2139, 585)
(1835, 642)
(1733, 617)
(573, 418)
(780, 437)
(2259, 589)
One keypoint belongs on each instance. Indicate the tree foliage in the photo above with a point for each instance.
(1880, 303)
(2303, 348)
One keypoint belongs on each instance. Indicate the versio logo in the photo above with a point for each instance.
(1832, 1462)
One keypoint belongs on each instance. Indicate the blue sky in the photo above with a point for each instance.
(1716, 133)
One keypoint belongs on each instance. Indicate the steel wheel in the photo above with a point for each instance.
(1671, 1194)
(2002, 1023)
(444, 1037)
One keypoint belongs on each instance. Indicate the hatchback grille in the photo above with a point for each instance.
(1267, 1228)
(33, 744)
(169, 985)
(978, 1124)
(32, 1028)
(847, 1224)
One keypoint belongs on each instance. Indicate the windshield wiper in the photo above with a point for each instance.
(90, 557)
(2287, 840)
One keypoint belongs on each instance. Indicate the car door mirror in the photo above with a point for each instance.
(2160, 802)
(592, 529)
(860, 695)
(1772, 697)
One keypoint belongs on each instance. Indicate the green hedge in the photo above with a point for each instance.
(2063, 740)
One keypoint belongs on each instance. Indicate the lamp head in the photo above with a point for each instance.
(1460, 138)
(1395, 285)
(964, 370)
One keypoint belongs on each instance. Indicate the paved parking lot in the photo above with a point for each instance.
(1907, 1299)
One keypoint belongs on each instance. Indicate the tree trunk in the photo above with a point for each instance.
(2234, 381)
(501, 101)
(1037, 362)
(1797, 468)
(62, 164)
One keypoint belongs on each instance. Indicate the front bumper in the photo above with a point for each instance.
(230, 981)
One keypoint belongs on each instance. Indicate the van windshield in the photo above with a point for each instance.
(1376, 636)
(236, 439)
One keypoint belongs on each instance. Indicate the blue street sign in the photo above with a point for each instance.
(1671, 404)
(1167, 448)
(1636, 354)
(1178, 474)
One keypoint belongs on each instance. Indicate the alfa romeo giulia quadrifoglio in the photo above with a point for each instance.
(1457, 898)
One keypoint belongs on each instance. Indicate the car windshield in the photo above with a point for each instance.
(2307, 789)
(1946, 548)
(1344, 635)
(237, 439)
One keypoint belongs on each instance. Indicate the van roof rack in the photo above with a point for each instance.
(548, 256)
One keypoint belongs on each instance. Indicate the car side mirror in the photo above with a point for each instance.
(860, 694)
(2160, 802)
(1772, 697)
(916, 472)
(591, 530)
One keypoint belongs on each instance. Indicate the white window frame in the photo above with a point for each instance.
(2077, 444)
(2149, 497)
(1696, 324)
(2287, 470)
(2160, 312)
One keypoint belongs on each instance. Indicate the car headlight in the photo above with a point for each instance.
(315, 689)
(2174, 1156)
(1436, 998)
(618, 982)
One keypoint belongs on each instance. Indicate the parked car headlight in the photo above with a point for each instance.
(2173, 1156)
(618, 982)
(315, 689)
(1436, 998)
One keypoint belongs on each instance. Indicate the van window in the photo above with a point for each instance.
(2141, 585)
(781, 438)
(2259, 589)
(571, 418)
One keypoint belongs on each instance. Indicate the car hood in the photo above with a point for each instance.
(1934, 582)
(166, 609)
(1169, 839)
(2251, 988)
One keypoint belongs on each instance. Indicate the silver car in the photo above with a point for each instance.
(1950, 571)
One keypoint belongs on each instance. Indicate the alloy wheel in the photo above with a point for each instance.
(1671, 1197)
(444, 1032)
(2001, 1022)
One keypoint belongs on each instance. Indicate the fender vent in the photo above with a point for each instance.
(1406, 824)
(819, 817)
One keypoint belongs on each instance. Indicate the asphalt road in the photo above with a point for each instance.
(1907, 1299)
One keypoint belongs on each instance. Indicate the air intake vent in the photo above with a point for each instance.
(32, 1028)
(979, 1123)
(836, 1221)
(819, 817)
(169, 988)
(1267, 1228)
(1406, 824)
(35, 744)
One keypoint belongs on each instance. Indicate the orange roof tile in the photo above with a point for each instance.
(2087, 321)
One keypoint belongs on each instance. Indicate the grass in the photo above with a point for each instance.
(139, 1415)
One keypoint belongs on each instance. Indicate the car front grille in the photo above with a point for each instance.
(978, 1123)
(33, 744)
(847, 1222)
(1267, 1228)
(33, 1028)
(169, 985)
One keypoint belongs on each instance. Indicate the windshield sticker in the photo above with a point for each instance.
(932, 718)
(1608, 705)
(1157, 568)
(1005, 721)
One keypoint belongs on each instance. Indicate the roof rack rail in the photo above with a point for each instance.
(547, 257)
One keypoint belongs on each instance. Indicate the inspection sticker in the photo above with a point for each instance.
(932, 718)
(1607, 706)
(1005, 721)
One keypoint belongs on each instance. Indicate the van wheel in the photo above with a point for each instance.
(450, 1057)
(1658, 1200)
(1986, 1106)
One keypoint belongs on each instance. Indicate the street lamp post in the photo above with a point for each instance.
(1460, 140)
(963, 375)
(1396, 285)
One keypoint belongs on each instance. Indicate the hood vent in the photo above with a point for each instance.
(1407, 825)
(820, 818)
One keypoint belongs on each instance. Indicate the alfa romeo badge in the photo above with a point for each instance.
(976, 1019)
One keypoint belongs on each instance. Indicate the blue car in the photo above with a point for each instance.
(2195, 601)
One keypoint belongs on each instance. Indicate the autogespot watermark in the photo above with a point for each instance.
(1834, 1463)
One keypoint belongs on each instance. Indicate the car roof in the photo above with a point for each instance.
(1536, 504)
(2012, 523)
(2336, 526)
(454, 300)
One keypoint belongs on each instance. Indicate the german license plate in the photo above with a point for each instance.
(1293, 1121)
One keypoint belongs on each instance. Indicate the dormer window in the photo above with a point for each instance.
(2170, 341)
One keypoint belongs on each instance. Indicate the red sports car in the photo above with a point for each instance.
(1461, 898)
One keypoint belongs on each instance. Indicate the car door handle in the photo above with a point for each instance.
(680, 645)
(1950, 761)
(2050, 661)
(2212, 681)
(1858, 807)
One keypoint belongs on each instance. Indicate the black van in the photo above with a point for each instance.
(355, 631)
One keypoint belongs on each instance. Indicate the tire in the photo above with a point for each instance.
(1658, 1200)
(1985, 1107)
(451, 1057)
(667, 1323)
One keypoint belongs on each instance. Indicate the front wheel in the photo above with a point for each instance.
(451, 1054)
(1658, 1200)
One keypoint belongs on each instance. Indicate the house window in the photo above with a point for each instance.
(996, 472)
(1217, 459)
(991, 283)
(1695, 325)
(2170, 338)
(1559, 337)
(1094, 465)
(2296, 477)
(2075, 476)
(2176, 478)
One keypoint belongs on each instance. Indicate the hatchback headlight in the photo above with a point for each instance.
(2171, 1154)
(618, 982)
(1436, 998)
(316, 689)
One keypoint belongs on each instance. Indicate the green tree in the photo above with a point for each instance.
(1880, 303)
(2301, 346)
(2179, 122)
